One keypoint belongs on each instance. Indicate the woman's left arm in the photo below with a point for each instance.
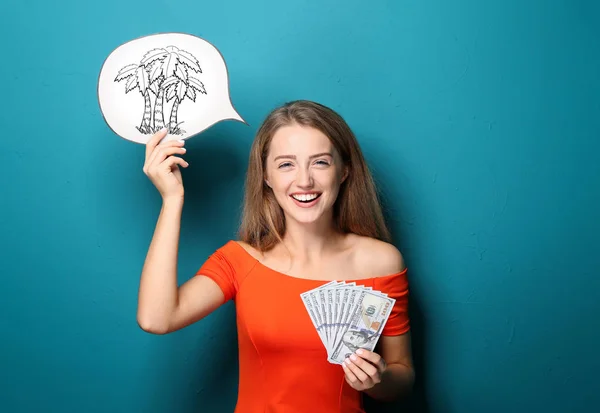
(385, 375)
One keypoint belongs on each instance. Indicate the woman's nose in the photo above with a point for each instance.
(304, 178)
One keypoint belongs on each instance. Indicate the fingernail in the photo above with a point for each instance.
(180, 140)
(359, 351)
(353, 357)
(346, 361)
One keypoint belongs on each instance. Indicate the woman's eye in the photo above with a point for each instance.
(322, 162)
(285, 165)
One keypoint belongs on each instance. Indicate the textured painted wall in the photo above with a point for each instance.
(480, 119)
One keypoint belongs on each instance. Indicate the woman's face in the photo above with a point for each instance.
(305, 173)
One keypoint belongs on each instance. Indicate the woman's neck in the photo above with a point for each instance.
(309, 242)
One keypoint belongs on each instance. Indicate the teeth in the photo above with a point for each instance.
(305, 198)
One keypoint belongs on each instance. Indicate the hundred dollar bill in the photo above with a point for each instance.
(347, 300)
(342, 290)
(313, 305)
(313, 314)
(330, 314)
(367, 320)
(322, 302)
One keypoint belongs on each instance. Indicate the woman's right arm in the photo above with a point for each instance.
(164, 307)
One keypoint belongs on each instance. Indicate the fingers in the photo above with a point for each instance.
(372, 357)
(165, 150)
(167, 166)
(162, 163)
(351, 378)
(361, 376)
(357, 363)
(364, 371)
(161, 153)
(174, 160)
(154, 140)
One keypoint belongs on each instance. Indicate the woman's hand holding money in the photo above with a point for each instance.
(364, 369)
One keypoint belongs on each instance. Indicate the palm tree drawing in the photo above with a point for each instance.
(137, 77)
(164, 71)
(177, 88)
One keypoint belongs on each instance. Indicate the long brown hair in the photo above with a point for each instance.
(356, 210)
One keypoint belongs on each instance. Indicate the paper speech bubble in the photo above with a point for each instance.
(173, 80)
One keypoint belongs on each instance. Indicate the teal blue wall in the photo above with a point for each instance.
(481, 120)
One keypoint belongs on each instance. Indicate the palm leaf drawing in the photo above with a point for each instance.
(137, 77)
(143, 79)
(169, 64)
(125, 72)
(181, 72)
(196, 84)
(152, 55)
(191, 94)
(189, 60)
(155, 72)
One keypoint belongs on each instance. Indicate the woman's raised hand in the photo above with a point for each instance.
(162, 165)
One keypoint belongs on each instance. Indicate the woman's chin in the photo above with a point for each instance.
(306, 217)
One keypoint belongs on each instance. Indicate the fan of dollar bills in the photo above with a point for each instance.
(347, 317)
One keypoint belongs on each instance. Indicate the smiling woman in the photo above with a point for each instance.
(311, 216)
(305, 144)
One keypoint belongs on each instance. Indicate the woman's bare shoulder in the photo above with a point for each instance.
(376, 258)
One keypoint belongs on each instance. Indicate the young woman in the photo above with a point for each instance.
(311, 215)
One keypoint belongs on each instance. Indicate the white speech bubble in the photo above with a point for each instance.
(173, 80)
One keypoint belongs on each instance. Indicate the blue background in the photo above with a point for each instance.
(480, 119)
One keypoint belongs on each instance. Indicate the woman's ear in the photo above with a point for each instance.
(266, 179)
(345, 173)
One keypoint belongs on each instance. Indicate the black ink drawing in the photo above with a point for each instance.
(164, 72)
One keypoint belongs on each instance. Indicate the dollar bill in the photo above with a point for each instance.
(315, 309)
(313, 314)
(347, 317)
(363, 330)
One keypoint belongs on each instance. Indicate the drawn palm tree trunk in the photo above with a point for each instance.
(173, 119)
(145, 126)
(159, 119)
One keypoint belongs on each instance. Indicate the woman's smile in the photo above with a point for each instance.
(306, 199)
